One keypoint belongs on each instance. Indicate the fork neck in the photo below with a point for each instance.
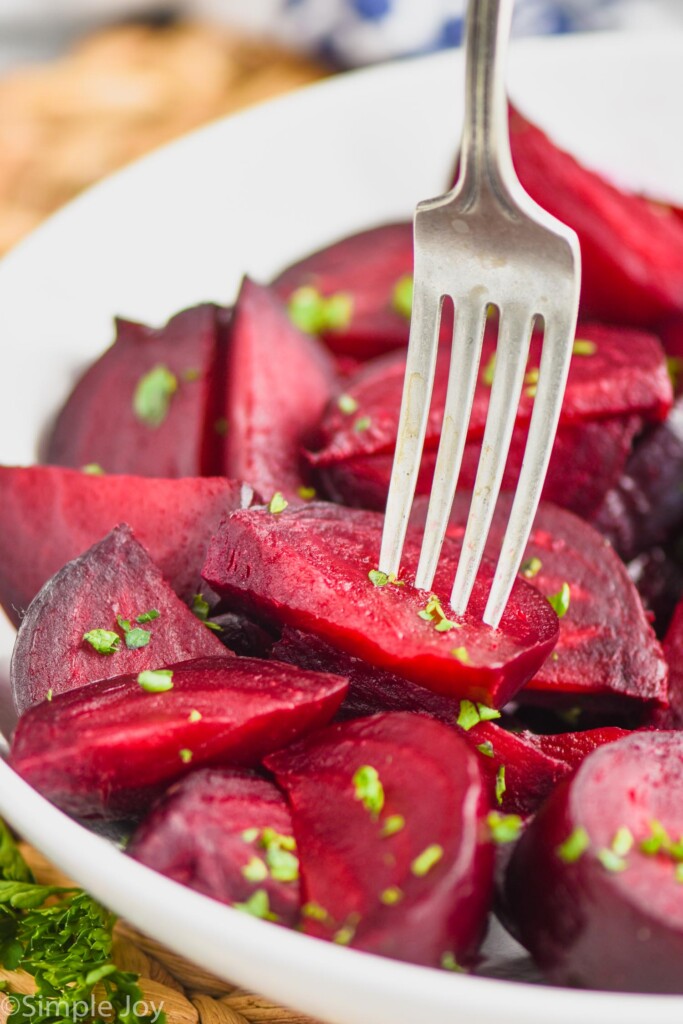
(485, 159)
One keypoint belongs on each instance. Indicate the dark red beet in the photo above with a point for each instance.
(308, 568)
(658, 579)
(195, 835)
(49, 515)
(419, 894)
(611, 391)
(169, 430)
(279, 380)
(593, 908)
(645, 507)
(115, 577)
(631, 255)
(367, 267)
(108, 749)
(672, 717)
(532, 765)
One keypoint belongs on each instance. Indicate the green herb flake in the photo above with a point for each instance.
(531, 567)
(531, 391)
(305, 308)
(200, 607)
(461, 654)
(194, 716)
(337, 311)
(255, 870)
(153, 394)
(283, 865)
(369, 789)
(92, 469)
(149, 616)
(393, 824)
(344, 935)
(678, 872)
(402, 296)
(156, 680)
(468, 716)
(574, 846)
(136, 638)
(674, 367)
(362, 424)
(504, 828)
(531, 376)
(560, 600)
(487, 714)
(433, 612)
(391, 896)
(449, 963)
(583, 347)
(270, 837)
(488, 372)
(657, 840)
(486, 748)
(49, 695)
(622, 844)
(379, 579)
(426, 860)
(315, 912)
(258, 905)
(250, 835)
(611, 861)
(347, 404)
(277, 504)
(185, 755)
(104, 641)
(306, 493)
(500, 784)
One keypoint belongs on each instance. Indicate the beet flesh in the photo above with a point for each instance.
(108, 749)
(369, 887)
(278, 381)
(672, 717)
(308, 568)
(195, 835)
(50, 515)
(115, 577)
(172, 434)
(611, 392)
(604, 918)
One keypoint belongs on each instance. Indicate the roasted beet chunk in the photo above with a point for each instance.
(672, 717)
(228, 834)
(147, 405)
(617, 381)
(607, 654)
(356, 293)
(107, 612)
(110, 748)
(50, 515)
(594, 886)
(279, 380)
(309, 568)
(389, 818)
(631, 253)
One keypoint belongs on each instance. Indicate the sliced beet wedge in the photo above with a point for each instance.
(50, 515)
(631, 255)
(389, 817)
(226, 833)
(116, 594)
(593, 886)
(147, 406)
(279, 380)
(108, 749)
(365, 270)
(308, 568)
(520, 769)
(617, 381)
(607, 653)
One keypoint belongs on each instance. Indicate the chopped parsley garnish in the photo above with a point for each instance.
(504, 828)
(200, 607)
(659, 841)
(250, 835)
(531, 567)
(500, 784)
(560, 600)
(156, 680)
(426, 860)
(369, 789)
(185, 755)
(104, 641)
(402, 296)
(153, 394)
(471, 714)
(674, 367)
(314, 911)
(92, 469)
(574, 846)
(194, 716)
(136, 638)
(278, 503)
(488, 372)
(611, 861)
(347, 404)
(531, 376)
(362, 424)
(461, 654)
(313, 313)
(582, 347)
(255, 870)
(282, 862)
(344, 936)
(449, 963)
(306, 493)
(379, 579)
(258, 905)
(391, 896)
(486, 748)
(48, 695)
(393, 824)
(433, 612)
(149, 616)
(338, 309)
(622, 843)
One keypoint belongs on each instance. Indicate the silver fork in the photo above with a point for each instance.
(486, 243)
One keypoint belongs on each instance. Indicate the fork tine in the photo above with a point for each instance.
(412, 425)
(468, 334)
(554, 367)
(511, 356)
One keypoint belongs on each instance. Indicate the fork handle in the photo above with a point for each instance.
(485, 158)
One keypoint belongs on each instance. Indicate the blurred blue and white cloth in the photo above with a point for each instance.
(354, 32)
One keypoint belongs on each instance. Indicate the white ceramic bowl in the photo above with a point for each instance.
(250, 194)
